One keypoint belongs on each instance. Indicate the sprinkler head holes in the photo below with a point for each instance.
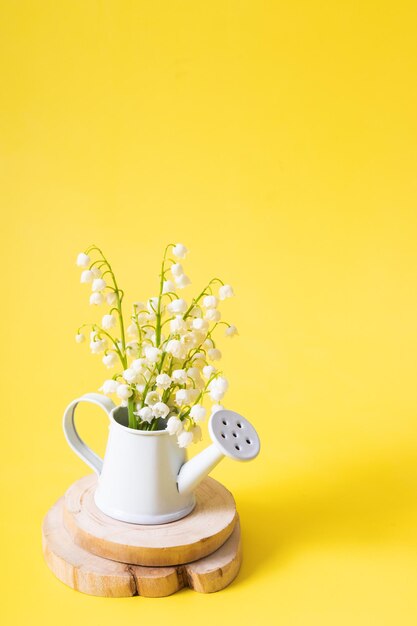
(234, 435)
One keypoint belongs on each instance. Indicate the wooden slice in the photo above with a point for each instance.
(195, 536)
(97, 576)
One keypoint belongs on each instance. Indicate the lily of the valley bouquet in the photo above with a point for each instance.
(164, 356)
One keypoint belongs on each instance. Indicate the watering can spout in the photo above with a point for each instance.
(232, 436)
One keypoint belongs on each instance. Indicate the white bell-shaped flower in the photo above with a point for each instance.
(210, 302)
(177, 269)
(226, 291)
(160, 409)
(198, 413)
(108, 321)
(96, 298)
(132, 330)
(182, 396)
(152, 398)
(176, 348)
(111, 298)
(168, 286)
(124, 391)
(213, 315)
(130, 375)
(214, 354)
(83, 260)
(196, 433)
(200, 324)
(179, 376)
(152, 354)
(109, 386)
(177, 306)
(145, 414)
(86, 276)
(185, 438)
(174, 425)
(110, 359)
(208, 370)
(182, 281)
(99, 284)
(180, 251)
(163, 381)
(231, 331)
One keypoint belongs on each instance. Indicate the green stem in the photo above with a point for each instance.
(132, 418)
(148, 384)
(138, 326)
(122, 353)
(158, 312)
(201, 395)
(196, 300)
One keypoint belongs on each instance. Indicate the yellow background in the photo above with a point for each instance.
(277, 140)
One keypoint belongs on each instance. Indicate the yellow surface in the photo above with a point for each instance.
(277, 140)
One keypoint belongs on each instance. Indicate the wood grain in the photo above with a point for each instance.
(195, 536)
(97, 576)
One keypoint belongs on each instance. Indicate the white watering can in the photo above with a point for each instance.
(145, 477)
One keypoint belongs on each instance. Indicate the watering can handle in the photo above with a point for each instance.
(73, 438)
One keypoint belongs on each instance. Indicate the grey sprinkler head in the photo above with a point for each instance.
(234, 435)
